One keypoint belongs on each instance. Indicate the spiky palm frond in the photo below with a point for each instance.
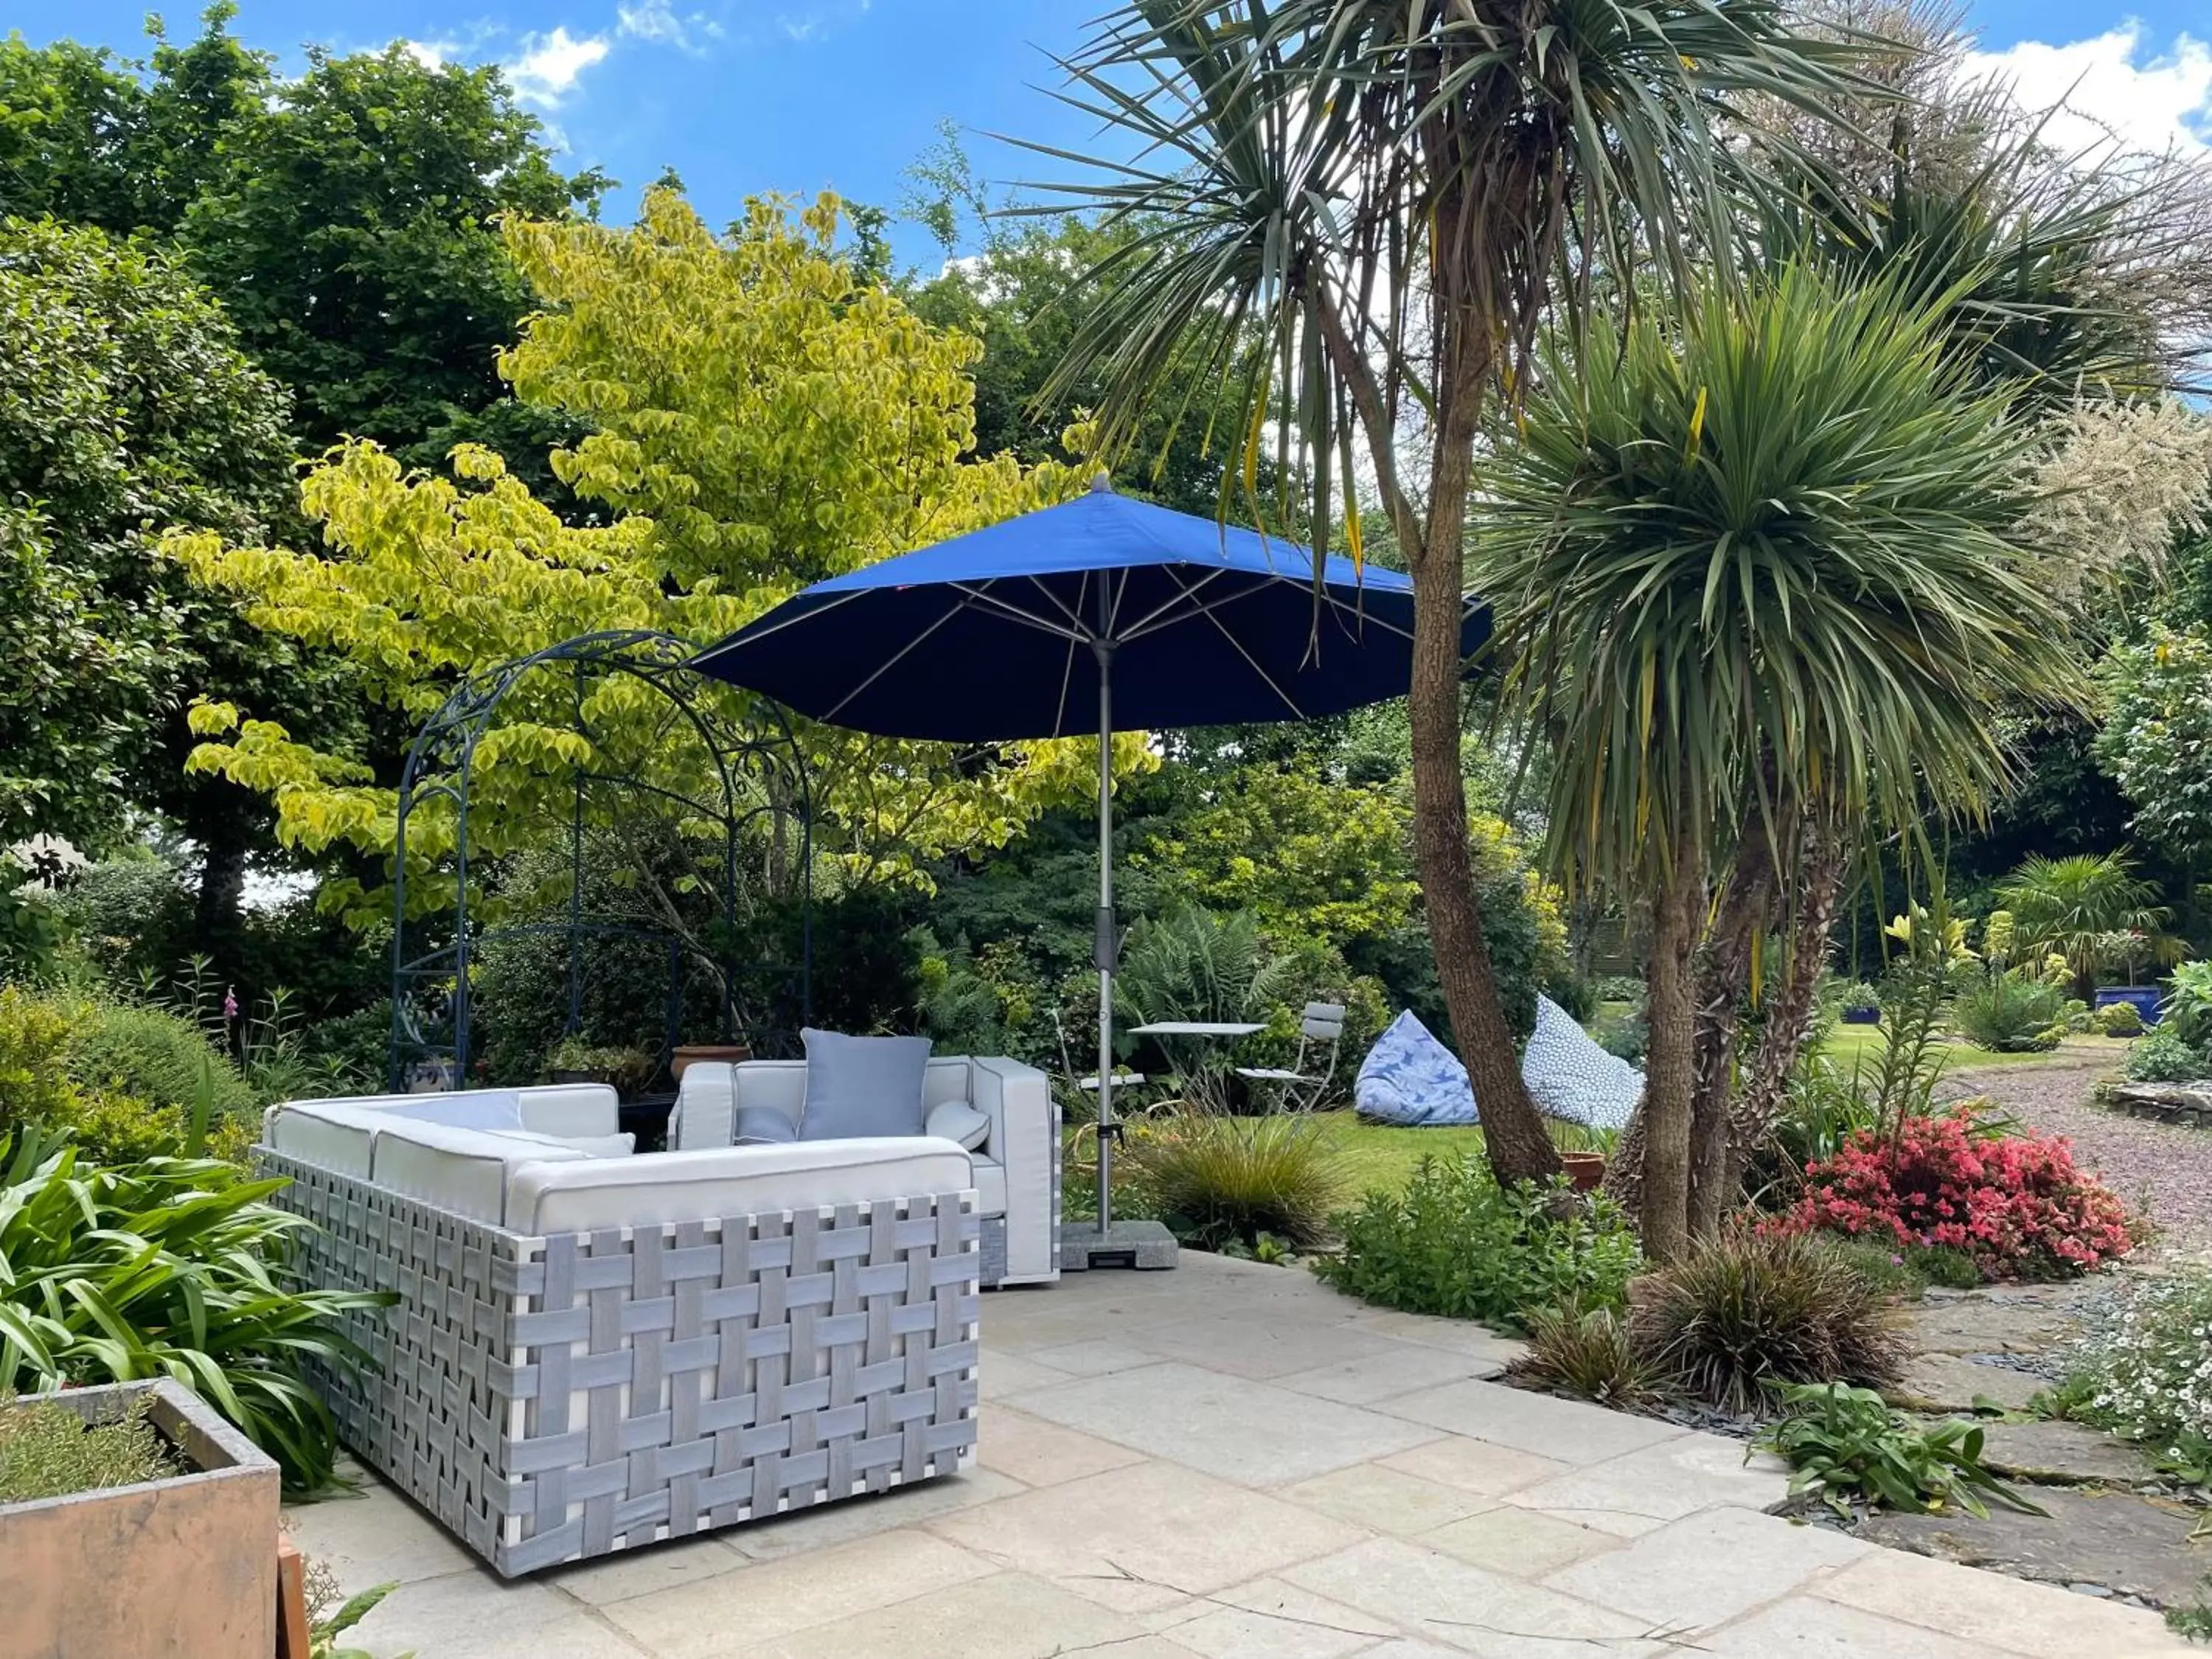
(1371, 186)
(1768, 550)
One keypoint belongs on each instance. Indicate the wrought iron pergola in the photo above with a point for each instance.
(756, 779)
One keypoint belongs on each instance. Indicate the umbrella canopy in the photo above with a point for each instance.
(1101, 615)
(995, 635)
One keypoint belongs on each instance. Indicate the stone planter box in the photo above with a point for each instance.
(186, 1566)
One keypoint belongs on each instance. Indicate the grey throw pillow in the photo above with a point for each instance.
(862, 1086)
(761, 1126)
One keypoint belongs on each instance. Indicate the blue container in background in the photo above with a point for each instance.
(2148, 999)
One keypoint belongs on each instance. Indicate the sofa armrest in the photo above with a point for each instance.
(705, 1112)
(1023, 1142)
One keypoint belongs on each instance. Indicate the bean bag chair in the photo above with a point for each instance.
(1571, 1077)
(1410, 1078)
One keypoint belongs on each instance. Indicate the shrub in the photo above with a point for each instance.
(38, 1035)
(2015, 1204)
(47, 1450)
(2148, 1377)
(1455, 1243)
(2008, 1014)
(1860, 997)
(1845, 1443)
(167, 1268)
(155, 1056)
(2162, 1055)
(1588, 1353)
(2118, 1019)
(1216, 1181)
(1747, 1313)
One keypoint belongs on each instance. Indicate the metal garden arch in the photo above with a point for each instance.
(756, 777)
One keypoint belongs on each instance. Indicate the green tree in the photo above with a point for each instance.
(91, 138)
(1391, 194)
(761, 422)
(126, 410)
(346, 217)
(1761, 570)
(353, 235)
(1024, 296)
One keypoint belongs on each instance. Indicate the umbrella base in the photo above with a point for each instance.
(1145, 1245)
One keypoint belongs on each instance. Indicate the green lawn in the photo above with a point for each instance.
(1848, 1042)
(1379, 1159)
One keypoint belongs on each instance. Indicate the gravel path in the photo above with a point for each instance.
(2162, 1164)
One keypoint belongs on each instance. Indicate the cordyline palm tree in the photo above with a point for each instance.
(1761, 560)
(2080, 906)
(1393, 194)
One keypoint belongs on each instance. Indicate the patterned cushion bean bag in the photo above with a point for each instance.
(1409, 1078)
(1569, 1076)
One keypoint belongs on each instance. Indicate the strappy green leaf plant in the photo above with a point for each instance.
(171, 1267)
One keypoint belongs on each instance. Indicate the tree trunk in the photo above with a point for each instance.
(1513, 1137)
(1669, 1062)
(1817, 851)
(1723, 965)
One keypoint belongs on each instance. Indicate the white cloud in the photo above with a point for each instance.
(652, 20)
(432, 54)
(2101, 90)
(544, 70)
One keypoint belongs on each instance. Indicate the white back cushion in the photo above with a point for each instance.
(465, 1170)
(727, 1181)
(329, 1133)
(554, 1109)
(777, 1084)
(946, 1078)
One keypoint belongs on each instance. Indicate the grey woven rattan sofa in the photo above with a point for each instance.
(589, 1351)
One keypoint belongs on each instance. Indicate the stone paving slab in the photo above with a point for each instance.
(1945, 1383)
(1139, 1505)
(2123, 1542)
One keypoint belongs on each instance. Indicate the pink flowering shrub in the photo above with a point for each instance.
(2015, 1204)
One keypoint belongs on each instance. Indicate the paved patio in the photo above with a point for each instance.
(1232, 1462)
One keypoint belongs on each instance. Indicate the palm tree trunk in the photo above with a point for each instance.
(1669, 1062)
(1817, 851)
(1723, 971)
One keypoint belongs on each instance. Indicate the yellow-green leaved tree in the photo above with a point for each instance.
(758, 421)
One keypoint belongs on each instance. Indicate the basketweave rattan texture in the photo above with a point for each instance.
(550, 1400)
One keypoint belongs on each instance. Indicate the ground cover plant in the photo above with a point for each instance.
(1845, 1446)
(1454, 1242)
(47, 1450)
(2149, 1373)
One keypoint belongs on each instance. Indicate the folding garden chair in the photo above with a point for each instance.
(1301, 1090)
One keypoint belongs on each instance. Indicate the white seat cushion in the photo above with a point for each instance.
(727, 1181)
(329, 1133)
(990, 1185)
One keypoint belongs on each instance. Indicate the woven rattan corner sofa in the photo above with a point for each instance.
(589, 1351)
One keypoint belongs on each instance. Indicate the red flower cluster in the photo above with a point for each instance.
(2017, 1204)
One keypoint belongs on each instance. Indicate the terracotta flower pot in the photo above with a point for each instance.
(1585, 1170)
(186, 1564)
(686, 1052)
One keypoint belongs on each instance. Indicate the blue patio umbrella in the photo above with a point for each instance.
(1104, 613)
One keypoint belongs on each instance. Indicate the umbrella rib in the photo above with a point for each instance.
(893, 661)
(761, 629)
(983, 597)
(1266, 678)
(1074, 620)
(1147, 622)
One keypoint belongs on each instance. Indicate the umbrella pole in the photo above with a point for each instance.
(1106, 945)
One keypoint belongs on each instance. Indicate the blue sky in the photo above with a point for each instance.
(747, 95)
